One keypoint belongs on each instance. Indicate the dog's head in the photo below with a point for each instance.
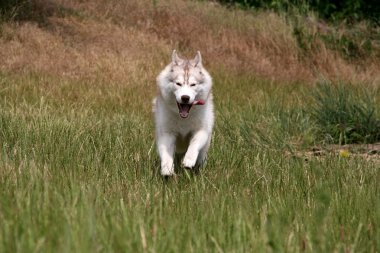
(186, 82)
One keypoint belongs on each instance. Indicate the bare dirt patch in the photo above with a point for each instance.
(369, 152)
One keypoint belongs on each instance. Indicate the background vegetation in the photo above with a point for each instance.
(78, 165)
(348, 10)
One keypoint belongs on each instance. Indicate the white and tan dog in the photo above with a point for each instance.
(184, 113)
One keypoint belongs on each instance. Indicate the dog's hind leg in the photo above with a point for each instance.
(165, 145)
(201, 160)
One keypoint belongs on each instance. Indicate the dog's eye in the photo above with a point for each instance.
(179, 84)
(192, 85)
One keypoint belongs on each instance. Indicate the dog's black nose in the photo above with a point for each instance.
(185, 99)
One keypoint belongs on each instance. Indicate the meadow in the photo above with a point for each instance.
(79, 170)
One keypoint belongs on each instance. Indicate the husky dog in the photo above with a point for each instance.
(184, 113)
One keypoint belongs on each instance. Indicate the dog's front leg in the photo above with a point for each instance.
(197, 142)
(165, 145)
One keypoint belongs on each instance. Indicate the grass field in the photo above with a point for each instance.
(79, 171)
(81, 176)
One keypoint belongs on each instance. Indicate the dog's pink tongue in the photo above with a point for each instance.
(199, 102)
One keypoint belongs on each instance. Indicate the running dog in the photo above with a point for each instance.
(184, 113)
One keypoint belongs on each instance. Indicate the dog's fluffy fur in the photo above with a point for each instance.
(184, 113)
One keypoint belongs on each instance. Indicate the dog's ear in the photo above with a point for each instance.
(175, 59)
(197, 61)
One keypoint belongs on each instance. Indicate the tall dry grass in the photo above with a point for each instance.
(129, 41)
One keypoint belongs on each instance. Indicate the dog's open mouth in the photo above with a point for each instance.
(184, 110)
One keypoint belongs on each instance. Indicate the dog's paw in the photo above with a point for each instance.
(188, 162)
(167, 170)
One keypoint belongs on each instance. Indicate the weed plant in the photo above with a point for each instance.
(346, 114)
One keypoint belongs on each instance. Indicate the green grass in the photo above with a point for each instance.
(79, 173)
